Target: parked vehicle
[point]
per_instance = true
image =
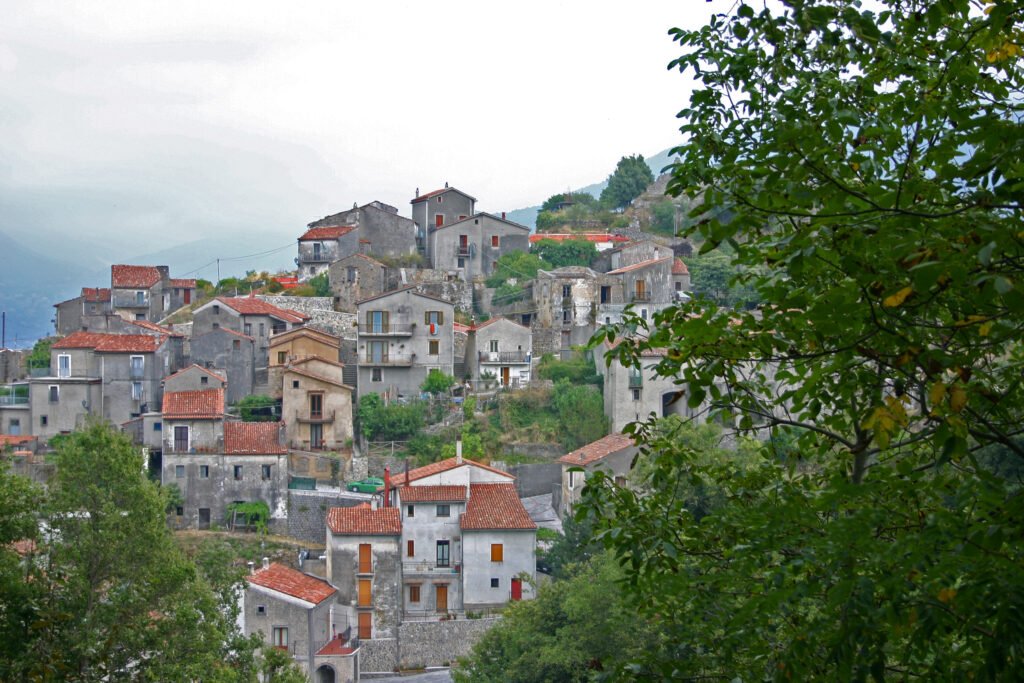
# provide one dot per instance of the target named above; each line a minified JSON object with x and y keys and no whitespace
{"x":368,"y":485}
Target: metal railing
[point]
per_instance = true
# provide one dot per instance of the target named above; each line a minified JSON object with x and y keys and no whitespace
{"x":641,"y":296}
{"x":389,"y":359}
{"x":504,"y":356}
{"x":317,"y":418}
{"x":452,"y":569}
{"x":390,"y":329}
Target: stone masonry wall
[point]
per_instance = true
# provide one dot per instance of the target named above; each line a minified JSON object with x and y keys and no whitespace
{"x":378,"y":655}
{"x":438,"y":643}
{"x":307,"y":512}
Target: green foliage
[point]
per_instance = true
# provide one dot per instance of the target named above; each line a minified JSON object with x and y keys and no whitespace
{"x":275,"y":287}
{"x":437,"y":382}
{"x":631,"y":177}
{"x":576,"y":369}
{"x":567,"y":253}
{"x":111,"y":596}
{"x":714,"y":276}
{"x":580,"y":411}
{"x":321,"y":285}
{"x":663,"y":219}
{"x":863,"y":164}
{"x":508,"y":293}
{"x":255,"y":513}
{"x":258,"y":408}
{"x":393,"y":422}
{"x":517,"y":265}
{"x":39,"y":357}
{"x":574,"y":546}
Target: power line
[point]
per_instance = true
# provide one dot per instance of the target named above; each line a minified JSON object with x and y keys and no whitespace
{"x":290,"y":245}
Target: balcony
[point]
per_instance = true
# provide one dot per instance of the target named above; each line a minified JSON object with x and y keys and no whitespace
{"x":641,"y":297}
{"x":136,"y":373}
{"x":390,"y":360}
{"x":636,"y":381}
{"x":430,"y":569}
{"x":381,"y":330}
{"x":130,"y":300}
{"x":316,"y":418}
{"x":504,"y":357}
{"x":462,"y":251}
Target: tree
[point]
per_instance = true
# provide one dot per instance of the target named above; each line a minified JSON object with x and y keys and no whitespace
{"x":566,"y":253}
{"x":39,"y":357}
{"x":580,"y":411}
{"x":393,"y":422}
{"x":321,"y":285}
{"x":258,"y":408}
{"x":437,"y":382}
{"x":868,"y":161}
{"x":515,"y":265}
{"x":663,"y":219}
{"x":631,"y":177}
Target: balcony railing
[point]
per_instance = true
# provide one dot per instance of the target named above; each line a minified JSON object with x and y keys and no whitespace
{"x":136,"y":373}
{"x":13,"y":400}
{"x":504,"y":356}
{"x":316,"y":418}
{"x":389,"y":360}
{"x":636,"y":381}
{"x":641,"y":296}
{"x":462,"y":250}
{"x":130,"y":301}
{"x":381,"y":330}
{"x":430,"y":568}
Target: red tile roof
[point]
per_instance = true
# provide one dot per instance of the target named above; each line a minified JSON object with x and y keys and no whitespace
{"x":638,"y":266}
{"x":111,"y":343}
{"x":153,"y":327}
{"x":362,"y":520}
{"x":134,"y":277}
{"x":250,"y":305}
{"x":291,"y":582}
{"x":679,"y":268}
{"x":330,"y":233}
{"x":437,"y":468}
{"x":186,"y":283}
{"x":258,"y":438}
{"x":11,"y":440}
{"x":432,"y":494}
{"x":495,"y":506}
{"x":597,"y":450}
{"x":95,"y":294}
{"x":194,"y":405}
{"x":335,"y":646}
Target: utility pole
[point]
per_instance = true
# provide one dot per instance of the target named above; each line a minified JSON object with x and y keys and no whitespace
{"x":218,"y":274}
{"x":3,"y":330}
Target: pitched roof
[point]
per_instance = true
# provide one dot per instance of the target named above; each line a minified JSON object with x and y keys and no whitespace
{"x":598,"y":237}
{"x":260,"y":438}
{"x":335,"y":646}
{"x":320,"y":335}
{"x":364,"y":257}
{"x":329,"y":233}
{"x":195,"y":405}
{"x":96,"y":294}
{"x":213,"y":373}
{"x":111,"y":343}
{"x":362,"y":520}
{"x":597,"y":450}
{"x":495,"y":319}
{"x":138,"y":277}
{"x":153,"y":327}
{"x":495,"y":506}
{"x":319,"y":378}
{"x":438,"y":467}
{"x":432,"y":494}
{"x":291,"y":582}
{"x":638,"y":266}
{"x":480,"y":214}
{"x":183,"y":282}
{"x":431,"y":195}
{"x":679,"y":268}
{"x":411,"y":289}
{"x":250,"y":305}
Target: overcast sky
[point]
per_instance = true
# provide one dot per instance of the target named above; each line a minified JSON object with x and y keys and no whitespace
{"x":141,"y":121}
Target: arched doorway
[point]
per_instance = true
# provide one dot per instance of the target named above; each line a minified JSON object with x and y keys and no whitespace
{"x":325,"y":674}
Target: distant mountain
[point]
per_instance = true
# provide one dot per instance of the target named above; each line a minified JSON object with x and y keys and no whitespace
{"x":198,"y":259}
{"x":528,"y":216}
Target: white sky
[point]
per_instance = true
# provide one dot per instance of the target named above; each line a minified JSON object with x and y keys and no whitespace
{"x":168,"y":120}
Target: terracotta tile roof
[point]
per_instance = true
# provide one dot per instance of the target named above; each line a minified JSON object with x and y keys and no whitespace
{"x":250,"y":305}
{"x":134,"y":277}
{"x":431,"y":494}
{"x":330,"y":233}
{"x":291,"y":582}
{"x":335,"y":646}
{"x":111,"y":343}
{"x":495,"y":506}
{"x":96,"y":294}
{"x":216,"y":374}
{"x":679,"y":268}
{"x":437,"y":468}
{"x":194,"y":405}
{"x":459,"y":327}
{"x":597,"y":450}
{"x":431,"y":195}
{"x":11,"y":440}
{"x":153,"y":327}
{"x":362,"y":520}
{"x":638,"y":266}
{"x":318,"y":335}
{"x":259,"y":438}
{"x":186,"y":283}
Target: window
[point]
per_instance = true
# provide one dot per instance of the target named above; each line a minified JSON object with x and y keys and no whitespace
{"x":350,"y":274}
{"x":280,"y":637}
{"x":377,"y":322}
{"x":158,"y":426}
{"x":606,"y":294}
{"x":316,"y":250}
{"x":433,"y":347}
{"x":136,"y":391}
{"x":140,"y":298}
{"x":643,"y":313}
{"x":497,"y":552}
{"x":566,"y":291}
{"x":679,"y":286}
{"x":236,"y":345}
{"x":295,"y":384}
{"x":179,"y":471}
{"x":179,"y":511}
{"x":572,"y":479}
{"x":494,"y":346}
{"x":494,"y":583}
{"x":140,"y":316}
{"x":265,"y":471}
{"x":247,"y":328}
{"x":14,"y":427}
{"x":43,"y":420}
{"x":443,"y":556}
{"x":378,"y":352}
{"x":238,"y":472}
{"x":365,"y":593}
{"x":566,"y":315}
{"x":365,"y":558}
{"x":63,"y":365}
{"x":376,"y":375}
{"x":410,"y":511}
{"x":620,"y":481}
{"x":204,"y":471}
{"x":316,"y":406}
{"x":216,"y":309}
{"x":216,"y":326}
{"x":462,"y":263}
{"x":444,"y":511}
{"x":434,"y":317}
{"x":365,"y":625}
{"x":261,"y":609}
{"x":410,"y":548}
{"x":495,"y":241}
{"x":636,"y":394}
{"x":54,"y":393}
{"x":414,"y":592}
{"x":263,"y":330}
{"x":438,"y":220}
{"x":204,"y":380}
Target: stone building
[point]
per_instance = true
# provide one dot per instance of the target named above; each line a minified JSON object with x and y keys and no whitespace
{"x":470,"y":246}
{"x":316,"y":405}
{"x":402,"y":336}
{"x":355,"y":277}
{"x":632,"y":395}
{"x":436,"y":209}
{"x":231,"y":354}
{"x":87,"y":312}
{"x":319,"y":246}
{"x":195,"y":378}
{"x":612,"y":454}
{"x":500,"y":349}
{"x":295,"y":345}
{"x":140,"y":292}
{"x":381,"y":232}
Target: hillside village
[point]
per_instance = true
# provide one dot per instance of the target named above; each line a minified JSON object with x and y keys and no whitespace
{"x":255,"y":408}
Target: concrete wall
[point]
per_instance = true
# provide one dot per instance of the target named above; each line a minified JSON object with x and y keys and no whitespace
{"x":480,"y":256}
{"x":385,"y":232}
{"x":310,"y":263}
{"x":386,"y":581}
{"x":366,"y":278}
{"x":115,"y":368}
{"x":193,"y":379}
{"x":231,"y":354}
{"x":12,"y":365}
{"x":519,"y":556}
{"x":439,"y":643}
{"x":535,"y":479}
{"x":307,"y":625}
{"x":624,"y":404}
{"x":77,"y":398}
{"x":307,"y":512}
{"x":336,"y":426}
{"x":450,"y":205}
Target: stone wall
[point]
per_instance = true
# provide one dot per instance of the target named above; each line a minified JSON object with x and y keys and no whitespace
{"x":378,"y":655}
{"x":307,"y":512}
{"x":438,"y":643}
{"x":536,"y":479}
{"x":321,"y":311}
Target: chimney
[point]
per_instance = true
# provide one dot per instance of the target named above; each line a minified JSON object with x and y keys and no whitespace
{"x":417,"y":192}
{"x":387,"y":485}
{"x":458,"y":451}
{"x":252,"y":567}
{"x":446,"y":184}
{"x":502,"y":215}
{"x":266,"y":563}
